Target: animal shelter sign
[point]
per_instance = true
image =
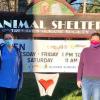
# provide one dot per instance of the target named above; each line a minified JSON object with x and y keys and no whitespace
{"x":51,"y":24}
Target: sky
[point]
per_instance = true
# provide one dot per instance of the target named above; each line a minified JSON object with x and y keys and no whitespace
{"x":77,"y":6}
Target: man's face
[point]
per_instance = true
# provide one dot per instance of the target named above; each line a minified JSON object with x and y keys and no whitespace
{"x":95,"y":38}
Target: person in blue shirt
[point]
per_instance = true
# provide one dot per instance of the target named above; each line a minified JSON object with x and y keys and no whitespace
{"x":11,"y":74}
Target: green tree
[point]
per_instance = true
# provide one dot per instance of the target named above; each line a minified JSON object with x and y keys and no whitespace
{"x":92,"y":7}
{"x":70,"y":1}
{"x":95,"y":8}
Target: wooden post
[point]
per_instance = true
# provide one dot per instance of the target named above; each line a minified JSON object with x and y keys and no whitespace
{"x":84,"y":6}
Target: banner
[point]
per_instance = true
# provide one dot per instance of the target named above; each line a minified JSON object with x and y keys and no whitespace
{"x":51,"y":55}
{"x":76,"y":24}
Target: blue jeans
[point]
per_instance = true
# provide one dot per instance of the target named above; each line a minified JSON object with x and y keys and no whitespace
{"x":90,"y":89}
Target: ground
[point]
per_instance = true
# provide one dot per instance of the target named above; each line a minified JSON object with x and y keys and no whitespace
{"x":66,"y":89}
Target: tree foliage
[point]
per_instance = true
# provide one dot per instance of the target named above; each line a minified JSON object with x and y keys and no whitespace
{"x":70,"y":1}
{"x":93,"y":6}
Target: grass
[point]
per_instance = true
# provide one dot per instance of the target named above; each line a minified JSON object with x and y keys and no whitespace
{"x":66,"y":89}
{"x":73,"y":96}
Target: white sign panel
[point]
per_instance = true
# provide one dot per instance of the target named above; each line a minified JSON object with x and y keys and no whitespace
{"x":51,"y":55}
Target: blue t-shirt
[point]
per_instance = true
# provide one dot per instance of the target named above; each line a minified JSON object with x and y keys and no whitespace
{"x":9,"y":68}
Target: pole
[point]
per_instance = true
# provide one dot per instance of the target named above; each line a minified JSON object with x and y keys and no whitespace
{"x":84,"y":6}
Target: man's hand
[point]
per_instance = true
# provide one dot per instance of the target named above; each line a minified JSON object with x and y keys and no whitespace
{"x":79,"y":84}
